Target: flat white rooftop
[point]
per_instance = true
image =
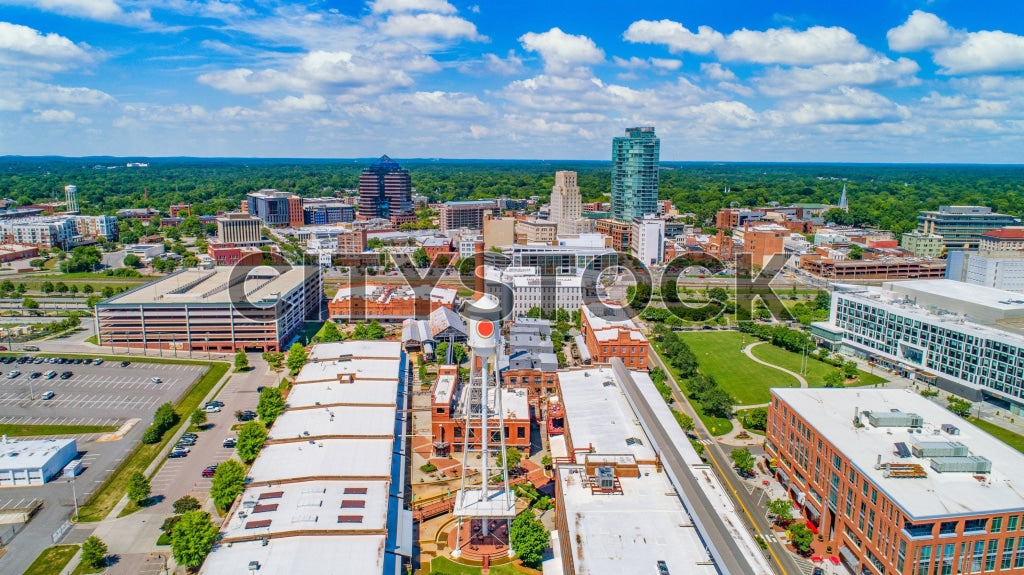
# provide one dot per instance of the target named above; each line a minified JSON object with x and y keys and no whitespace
{"x":381,"y":392}
{"x":357,"y":350}
{"x":311,"y":506}
{"x":598,"y":413}
{"x":830,"y":412}
{"x":333,"y":421}
{"x":1007,"y":302}
{"x":668,"y":421}
{"x":30,"y":453}
{"x":323,"y":458}
{"x":630,"y":533}
{"x":218,"y":285}
{"x":346,"y":555}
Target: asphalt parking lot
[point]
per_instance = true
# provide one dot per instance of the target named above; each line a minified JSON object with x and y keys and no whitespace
{"x":103,"y":391}
{"x":105,"y":394}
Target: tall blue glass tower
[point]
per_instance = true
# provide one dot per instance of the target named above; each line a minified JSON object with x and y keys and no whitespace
{"x":635,"y":174}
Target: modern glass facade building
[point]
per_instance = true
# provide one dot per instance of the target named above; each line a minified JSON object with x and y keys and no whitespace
{"x":961,"y":227}
{"x":385,"y":191}
{"x":635,"y":174}
{"x":963,"y":338}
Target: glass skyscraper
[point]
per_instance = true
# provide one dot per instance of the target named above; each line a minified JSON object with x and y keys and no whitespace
{"x":635,"y":174}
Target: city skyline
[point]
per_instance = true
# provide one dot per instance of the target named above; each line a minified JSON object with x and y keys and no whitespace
{"x":931,"y":82}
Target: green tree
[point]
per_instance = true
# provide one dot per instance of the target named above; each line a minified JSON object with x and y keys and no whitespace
{"x":801,"y":537}
{"x":535,"y":313}
{"x":37,"y":263}
{"x":529,"y":538}
{"x":241,"y":360}
{"x":250,"y":440}
{"x":756,"y":418}
{"x":29,"y":303}
{"x":274,"y":359}
{"x":94,"y":552}
{"x":782,"y":509}
{"x":198,"y":418}
{"x":186,"y":503}
{"x":132,"y":261}
{"x":271,"y":404}
{"x":374,"y":243}
{"x":822,"y":300}
{"x":192,"y":538}
{"x":21,"y":288}
{"x":856,"y":252}
{"x":420,"y":258}
{"x":165,"y":417}
{"x":743,"y":460}
{"x":850,"y":369}
{"x":719,"y":294}
{"x":330,"y":333}
{"x":834,"y":378}
{"x":228,"y":483}
{"x":511,"y":458}
{"x":296,"y":358}
{"x":958,"y":405}
{"x":716,"y":402}
{"x":138,"y":488}
{"x":46,"y":287}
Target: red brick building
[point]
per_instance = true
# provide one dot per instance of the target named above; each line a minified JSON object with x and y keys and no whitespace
{"x":614,"y":335}
{"x":387,"y":303}
{"x":448,"y":424}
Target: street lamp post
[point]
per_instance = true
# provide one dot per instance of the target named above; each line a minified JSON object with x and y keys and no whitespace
{"x":74,"y":495}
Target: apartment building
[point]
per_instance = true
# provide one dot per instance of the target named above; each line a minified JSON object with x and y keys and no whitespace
{"x":466,"y":214}
{"x":895,"y":483}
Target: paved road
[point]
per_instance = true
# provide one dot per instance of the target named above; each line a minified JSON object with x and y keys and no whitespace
{"x":723,"y":547}
{"x":715,"y":453}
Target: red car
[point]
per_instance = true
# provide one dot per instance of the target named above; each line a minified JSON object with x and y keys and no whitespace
{"x":3,"y":348}
{"x":209,"y":471}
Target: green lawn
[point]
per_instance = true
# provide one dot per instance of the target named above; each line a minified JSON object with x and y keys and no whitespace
{"x":1006,"y":436}
{"x":103,"y":500}
{"x":719,"y":355}
{"x":446,"y":566}
{"x":52,"y":560}
{"x":716,"y":426}
{"x":14,"y":430}
{"x":816,"y":370}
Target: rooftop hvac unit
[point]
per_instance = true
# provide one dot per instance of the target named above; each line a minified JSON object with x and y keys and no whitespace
{"x":938,"y":449}
{"x":970,"y":464}
{"x":950,"y":429}
{"x":894,"y":419}
{"x":606,"y":477}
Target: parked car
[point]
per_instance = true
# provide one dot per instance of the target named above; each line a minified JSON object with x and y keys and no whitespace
{"x":3,"y":348}
{"x":35,"y":375}
{"x":87,"y":361}
{"x":47,"y":395}
{"x":175,"y":454}
{"x":39,"y":360}
{"x":66,"y":375}
{"x":216,"y":402}
{"x":97,"y":361}
{"x":125,"y":363}
{"x":156,"y":380}
{"x":184,"y":448}
{"x":230,"y":442}
{"x":14,"y":374}
{"x":185,"y":442}
{"x":246,"y":415}
{"x":50,"y":374}
{"x":212,"y":409}
{"x":210,"y":471}
{"x":31,"y":348}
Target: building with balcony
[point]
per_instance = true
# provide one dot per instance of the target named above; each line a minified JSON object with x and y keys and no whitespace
{"x":897,"y":484}
{"x":634,"y":188}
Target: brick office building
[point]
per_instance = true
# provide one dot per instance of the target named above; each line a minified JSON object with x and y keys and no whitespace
{"x":896,"y":483}
{"x":448,"y":402}
{"x":612,"y":334}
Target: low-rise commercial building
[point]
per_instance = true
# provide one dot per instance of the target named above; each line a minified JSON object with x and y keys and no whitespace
{"x":34,"y":461}
{"x":14,"y":252}
{"x":922,"y":245}
{"x":897,"y":484}
{"x":449,"y":400}
{"x":328,"y":488}
{"x":219,"y":309}
{"x":387,"y":303}
{"x":613,"y":334}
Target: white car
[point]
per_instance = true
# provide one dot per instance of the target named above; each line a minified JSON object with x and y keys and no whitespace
{"x":180,"y":449}
{"x":48,"y":395}
{"x":97,"y":361}
{"x":212,"y":409}
{"x":156,"y":380}
{"x":14,"y":374}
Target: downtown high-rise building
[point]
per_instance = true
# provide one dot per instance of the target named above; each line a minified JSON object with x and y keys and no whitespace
{"x":566,"y":203}
{"x":635,"y":174}
{"x":385,"y":191}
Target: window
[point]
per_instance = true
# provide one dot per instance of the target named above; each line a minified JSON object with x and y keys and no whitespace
{"x":871,"y":524}
{"x":864,"y":488}
{"x":924,"y":559}
{"x":520,"y":433}
{"x":874,"y":496}
{"x":849,"y":503}
{"x":947,"y":528}
{"x":901,"y":556}
{"x":837,"y":462}
{"x":1018,"y":561}
{"x":918,"y":530}
{"x":457,"y":432}
{"x":990,"y":556}
{"x":974,"y":526}
{"x":1011,"y":524}
{"x":440,"y":410}
{"x":1007,"y":554}
{"x":997,"y":524}
{"x":979,"y":551}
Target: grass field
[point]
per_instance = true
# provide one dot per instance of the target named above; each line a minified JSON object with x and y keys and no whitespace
{"x":719,"y":355}
{"x":104,"y":499}
{"x":1006,"y":436}
{"x":716,"y":426}
{"x":52,"y":560}
{"x":14,"y":430}
{"x":446,"y":566}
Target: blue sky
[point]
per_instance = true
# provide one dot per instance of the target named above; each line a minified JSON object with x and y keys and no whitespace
{"x":812,"y":81}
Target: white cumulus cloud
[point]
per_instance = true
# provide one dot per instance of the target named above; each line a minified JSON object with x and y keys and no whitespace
{"x":438,"y":6}
{"x":430,"y":25}
{"x":102,"y":10}
{"x":816,"y":45}
{"x":921,"y":30}
{"x":22,"y":46}
{"x":985,"y":51}
{"x":845,"y":105}
{"x":674,"y":35}
{"x":562,"y":52}
{"x":55,"y":116}
{"x":878,"y":70}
